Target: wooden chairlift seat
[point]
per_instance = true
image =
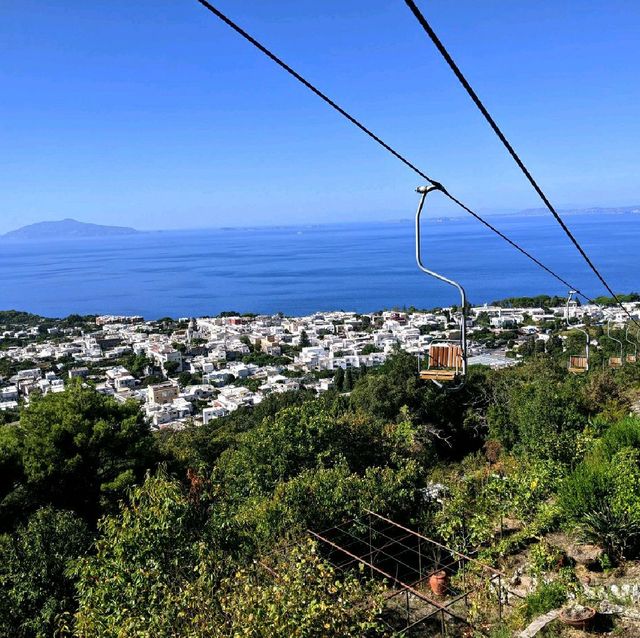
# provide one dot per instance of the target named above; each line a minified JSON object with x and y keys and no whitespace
{"x":577,"y":364}
{"x":433,"y":374}
{"x":631,"y":358}
{"x":445,"y":362}
{"x":615,"y":362}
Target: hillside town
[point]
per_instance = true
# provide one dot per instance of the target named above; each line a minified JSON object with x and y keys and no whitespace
{"x":192,"y":371}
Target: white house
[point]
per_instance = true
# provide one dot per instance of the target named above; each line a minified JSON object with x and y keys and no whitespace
{"x":214,"y":411}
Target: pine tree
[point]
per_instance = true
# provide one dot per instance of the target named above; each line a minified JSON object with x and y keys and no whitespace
{"x":348,"y":381}
{"x":338,"y":380}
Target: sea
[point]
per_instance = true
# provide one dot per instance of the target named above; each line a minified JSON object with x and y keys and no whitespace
{"x":299,"y":270}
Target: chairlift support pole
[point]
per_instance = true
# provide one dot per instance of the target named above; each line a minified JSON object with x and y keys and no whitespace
{"x":424,"y":191}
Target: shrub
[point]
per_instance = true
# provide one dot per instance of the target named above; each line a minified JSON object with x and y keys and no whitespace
{"x":625,"y":433}
{"x":602,"y":498}
{"x":501,"y":631}
{"x":544,"y":558}
{"x":547,"y":596}
{"x":307,"y":599}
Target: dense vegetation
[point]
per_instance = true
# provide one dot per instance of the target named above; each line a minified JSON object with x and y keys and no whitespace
{"x":112,"y":530}
{"x":539,"y":301}
{"x":624,"y":298}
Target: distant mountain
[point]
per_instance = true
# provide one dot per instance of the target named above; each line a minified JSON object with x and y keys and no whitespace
{"x":66,"y":229}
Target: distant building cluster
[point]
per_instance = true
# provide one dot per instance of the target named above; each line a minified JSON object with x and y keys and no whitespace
{"x":197,"y":370}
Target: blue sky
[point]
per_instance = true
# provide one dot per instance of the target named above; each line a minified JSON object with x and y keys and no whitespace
{"x":154,"y":114}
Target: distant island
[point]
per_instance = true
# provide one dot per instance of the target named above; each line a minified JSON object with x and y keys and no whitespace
{"x":617,"y":210}
{"x":67,"y":229}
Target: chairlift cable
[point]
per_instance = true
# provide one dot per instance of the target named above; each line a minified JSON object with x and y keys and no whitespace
{"x":496,"y":129}
{"x":272,"y":56}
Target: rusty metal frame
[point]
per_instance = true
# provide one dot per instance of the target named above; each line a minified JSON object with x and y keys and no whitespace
{"x":405,"y":560}
{"x":343,"y":541}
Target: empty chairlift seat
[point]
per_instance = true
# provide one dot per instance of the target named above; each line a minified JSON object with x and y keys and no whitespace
{"x":615,"y":362}
{"x":444,"y":362}
{"x":578,"y":364}
{"x":633,"y":356}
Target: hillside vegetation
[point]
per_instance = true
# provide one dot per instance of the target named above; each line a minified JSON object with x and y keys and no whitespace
{"x":110,"y":530}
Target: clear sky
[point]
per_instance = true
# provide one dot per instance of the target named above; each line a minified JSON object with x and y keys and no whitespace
{"x":154,"y":114}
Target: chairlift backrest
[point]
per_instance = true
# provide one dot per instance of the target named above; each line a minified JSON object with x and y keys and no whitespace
{"x":615,"y":362}
{"x":578,"y":362}
{"x":445,"y":356}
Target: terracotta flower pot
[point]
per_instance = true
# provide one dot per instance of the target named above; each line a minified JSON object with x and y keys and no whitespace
{"x":439,"y":582}
{"x":579,"y":617}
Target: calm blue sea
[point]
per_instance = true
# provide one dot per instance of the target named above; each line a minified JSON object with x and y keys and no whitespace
{"x":299,"y":270}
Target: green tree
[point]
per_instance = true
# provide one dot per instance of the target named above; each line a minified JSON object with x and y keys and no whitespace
{"x":148,"y":557}
{"x":527,"y":348}
{"x":137,"y":364}
{"x":155,"y":574}
{"x":317,"y":497}
{"x":483,"y":319}
{"x":395,"y":384}
{"x":171,"y":367}
{"x":9,"y":416}
{"x":187,"y":378}
{"x":34,"y":580}
{"x":306,"y":598}
{"x":348,"y":380}
{"x":540,"y":414}
{"x":306,"y":437}
{"x":13,"y":497}
{"x":304,"y":339}
{"x":80,"y":450}
{"x":554,"y":345}
{"x":338,"y":380}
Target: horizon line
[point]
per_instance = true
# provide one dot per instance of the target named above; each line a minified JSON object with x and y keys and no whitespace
{"x":528,"y":212}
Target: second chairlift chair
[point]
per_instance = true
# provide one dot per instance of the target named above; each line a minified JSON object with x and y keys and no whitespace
{"x":446,"y":359}
{"x":615,"y":362}
{"x":631,"y":358}
{"x":577,"y":363}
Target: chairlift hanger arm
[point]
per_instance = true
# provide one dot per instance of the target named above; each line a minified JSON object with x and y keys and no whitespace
{"x":633,"y":343}
{"x":569,"y":297}
{"x":424,"y":191}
